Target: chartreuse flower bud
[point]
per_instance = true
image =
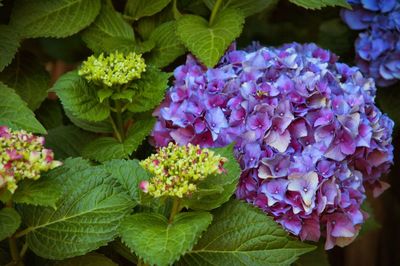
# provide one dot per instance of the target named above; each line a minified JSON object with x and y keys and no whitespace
{"x":177,"y":170}
{"x":22,"y":155}
{"x":113,"y":69}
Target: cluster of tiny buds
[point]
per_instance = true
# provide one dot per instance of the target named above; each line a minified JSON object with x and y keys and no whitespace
{"x":22,"y":156}
{"x":113,"y":69}
{"x":177,"y":170}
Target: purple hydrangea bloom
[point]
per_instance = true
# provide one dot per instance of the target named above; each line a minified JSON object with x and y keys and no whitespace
{"x":307,"y":133}
{"x":378,"y":45}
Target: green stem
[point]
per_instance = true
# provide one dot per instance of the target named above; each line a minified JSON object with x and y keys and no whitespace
{"x":23,"y":250}
{"x":114,"y":126}
{"x":215,"y":11}
{"x":12,"y":242}
{"x":120,"y":123}
{"x":23,"y":232}
{"x":176,"y":207}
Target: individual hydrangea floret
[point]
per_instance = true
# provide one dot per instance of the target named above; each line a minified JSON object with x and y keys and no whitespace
{"x":22,"y":156}
{"x":177,"y":170}
{"x":308,"y":135}
{"x":378,"y":44}
{"x":114,"y":69}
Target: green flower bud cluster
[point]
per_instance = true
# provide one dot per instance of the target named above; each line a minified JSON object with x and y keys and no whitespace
{"x":113,"y":69}
{"x":22,"y":155}
{"x":177,"y":169}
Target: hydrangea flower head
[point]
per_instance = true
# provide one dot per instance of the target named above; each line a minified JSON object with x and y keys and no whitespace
{"x":307,"y":133}
{"x":378,"y":45}
{"x":177,"y":170}
{"x":113,"y":69}
{"x":22,"y":157}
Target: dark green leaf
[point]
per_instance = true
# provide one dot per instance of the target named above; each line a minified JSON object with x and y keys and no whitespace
{"x":108,"y":24}
{"x":318,"y":257}
{"x":149,"y":90}
{"x":67,"y":141}
{"x":28,"y":78}
{"x":9,"y":222}
{"x":142,"y":8}
{"x":318,"y":4}
{"x":248,"y":7}
{"x":125,"y":45}
{"x":243,"y":235}
{"x":80,"y":97}
{"x":159,"y":242}
{"x":14,"y":112}
{"x":209,"y":42}
{"x":53,"y":18}
{"x":50,"y":114}
{"x":87,"y":216}
{"x":8,"y":46}
{"x":168,"y":46}
{"x":91,"y":259}
{"x":97,"y":127}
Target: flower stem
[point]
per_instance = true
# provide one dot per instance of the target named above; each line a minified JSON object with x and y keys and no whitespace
{"x":176,"y":207}
{"x":214,"y":11}
{"x":114,"y":126}
{"x":120,"y":123}
{"x":12,"y":242}
{"x":175,"y":10}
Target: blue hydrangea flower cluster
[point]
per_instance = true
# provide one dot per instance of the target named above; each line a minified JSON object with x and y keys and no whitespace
{"x":378,"y":45}
{"x":308,"y":135}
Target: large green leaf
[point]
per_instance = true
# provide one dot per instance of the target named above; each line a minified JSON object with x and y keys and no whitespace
{"x":97,"y":127}
{"x":318,"y":257}
{"x":243,"y":235}
{"x":50,"y":114}
{"x":125,"y":45}
{"x":217,"y":189}
{"x":49,"y":188}
{"x":9,"y":222}
{"x":149,"y":90}
{"x":8,"y":46}
{"x":80,"y":97}
{"x":209,"y":42}
{"x":91,"y":259}
{"x":14,"y":112}
{"x":109,"y":24}
{"x":160,"y":242}
{"x":108,"y":148}
{"x":87,"y":216}
{"x":248,"y":7}
{"x":143,"y":8}
{"x":28,"y":78}
{"x":318,"y":4}
{"x":67,"y":141}
{"x":168,"y":46}
{"x":53,"y":18}
{"x":129,"y":174}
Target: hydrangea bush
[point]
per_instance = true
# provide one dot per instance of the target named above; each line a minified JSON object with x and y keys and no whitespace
{"x":308,"y":135}
{"x":378,"y":45}
{"x":114,"y":151}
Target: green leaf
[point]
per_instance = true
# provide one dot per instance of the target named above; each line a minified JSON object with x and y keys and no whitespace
{"x":318,"y":257}
{"x":108,"y":24}
{"x":159,"y":242}
{"x":8,"y":46}
{"x":87,"y":216}
{"x":126,"y":94}
{"x":14,"y":112}
{"x":108,"y":148}
{"x":336,"y":36}
{"x":28,"y":78}
{"x":67,"y":141}
{"x":209,"y":42}
{"x":97,"y":127}
{"x":168,"y":46}
{"x":49,"y":188}
{"x":318,"y":4}
{"x":80,"y":97}
{"x":248,"y":7}
{"x":104,"y":94}
{"x":243,"y":235}
{"x":9,"y":222}
{"x":125,"y":45}
{"x":50,"y":114}
{"x":91,"y":259}
{"x":53,"y":18}
{"x":142,"y":8}
{"x":149,"y":90}
{"x":217,"y":189}
{"x":129,"y":174}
